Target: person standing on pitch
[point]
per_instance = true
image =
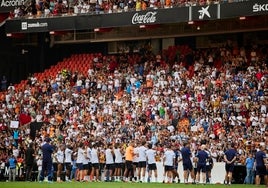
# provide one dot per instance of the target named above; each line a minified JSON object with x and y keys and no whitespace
{"x":169,"y":163}
{"x":142,"y":162}
{"x":250,"y":171}
{"x":261,"y":170}
{"x":202,"y":157}
{"x":68,"y":161}
{"x":109,"y":156}
{"x":186,"y":162}
{"x":229,"y":158}
{"x":12,"y":162}
{"x":29,"y":161}
{"x":60,"y":161}
{"x":118,"y":150}
{"x":129,"y":154}
{"x":47,"y":150}
{"x":150,"y":155}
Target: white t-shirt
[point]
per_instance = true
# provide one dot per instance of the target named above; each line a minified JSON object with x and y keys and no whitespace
{"x":80,"y":156}
{"x":150,"y":154}
{"x":68,"y":155}
{"x":118,"y":156}
{"x":60,"y":156}
{"x":39,"y":164}
{"x":109,"y":156}
{"x":136,"y":158}
{"x":142,"y":153}
{"x":169,"y":156}
{"x":94,"y":156}
{"x":89,"y":154}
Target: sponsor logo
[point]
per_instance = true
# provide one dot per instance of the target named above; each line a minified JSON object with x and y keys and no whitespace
{"x":204,"y":12}
{"x":11,"y":3}
{"x":260,"y":7}
{"x":149,"y":17}
{"x":25,"y":25}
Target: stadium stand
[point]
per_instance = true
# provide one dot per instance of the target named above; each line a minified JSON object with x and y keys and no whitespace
{"x":211,"y":96}
{"x":220,"y":98}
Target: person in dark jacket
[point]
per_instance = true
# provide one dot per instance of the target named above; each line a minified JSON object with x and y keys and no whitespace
{"x":47,"y":150}
{"x":29,"y":161}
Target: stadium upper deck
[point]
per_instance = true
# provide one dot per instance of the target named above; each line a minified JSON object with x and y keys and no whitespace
{"x":58,"y":7}
{"x":147,"y":16}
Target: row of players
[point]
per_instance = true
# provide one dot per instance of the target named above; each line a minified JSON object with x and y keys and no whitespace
{"x":131,"y":162}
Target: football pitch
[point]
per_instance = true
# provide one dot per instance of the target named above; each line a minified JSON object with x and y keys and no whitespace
{"x":111,"y":185}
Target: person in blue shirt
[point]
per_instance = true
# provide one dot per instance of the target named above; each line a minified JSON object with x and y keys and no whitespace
{"x":261,"y":171}
{"x":249,"y":166}
{"x":47,"y":150}
{"x":202,"y":157}
{"x":229,"y":158}
{"x":186,"y":162}
{"x":16,"y":136}
{"x":12,"y":162}
{"x":74,"y":168}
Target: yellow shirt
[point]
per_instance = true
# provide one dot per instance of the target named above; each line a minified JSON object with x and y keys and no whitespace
{"x":138,"y":5}
{"x":129,"y":153}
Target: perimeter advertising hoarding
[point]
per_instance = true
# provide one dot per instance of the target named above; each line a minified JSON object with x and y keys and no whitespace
{"x":153,"y":16}
{"x":208,"y":12}
{"x":82,"y":22}
{"x":150,"y":16}
{"x":248,"y":8}
{"x":40,"y":25}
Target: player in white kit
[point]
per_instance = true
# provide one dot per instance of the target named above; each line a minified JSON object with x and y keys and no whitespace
{"x":142,"y":162}
{"x":150,"y":155}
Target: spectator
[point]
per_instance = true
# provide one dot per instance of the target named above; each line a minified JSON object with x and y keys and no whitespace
{"x":250,"y":171}
{"x":180,"y":104}
{"x":4,"y":84}
{"x":12,"y":162}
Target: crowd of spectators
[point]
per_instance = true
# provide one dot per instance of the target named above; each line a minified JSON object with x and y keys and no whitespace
{"x":213,"y":96}
{"x":46,"y":8}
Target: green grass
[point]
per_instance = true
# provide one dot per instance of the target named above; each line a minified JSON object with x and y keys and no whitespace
{"x":109,"y":185}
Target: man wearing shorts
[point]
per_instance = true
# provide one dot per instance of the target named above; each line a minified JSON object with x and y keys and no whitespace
{"x":94,"y":175}
{"x":229,"y":158}
{"x":186,"y":162}
{"x":261,"y":170}
{"x":142,"y":162}
{"x":129,"y":154}
{"x":202,"y":157}
{"x":169,"y":163}
{"x":68,"y":162}
{"x":150,"y":155}
{"x":118,"y":161}
{"x":109,"y":156}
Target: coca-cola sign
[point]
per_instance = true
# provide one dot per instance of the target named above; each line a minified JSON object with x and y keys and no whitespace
{"x":149,"y":17}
